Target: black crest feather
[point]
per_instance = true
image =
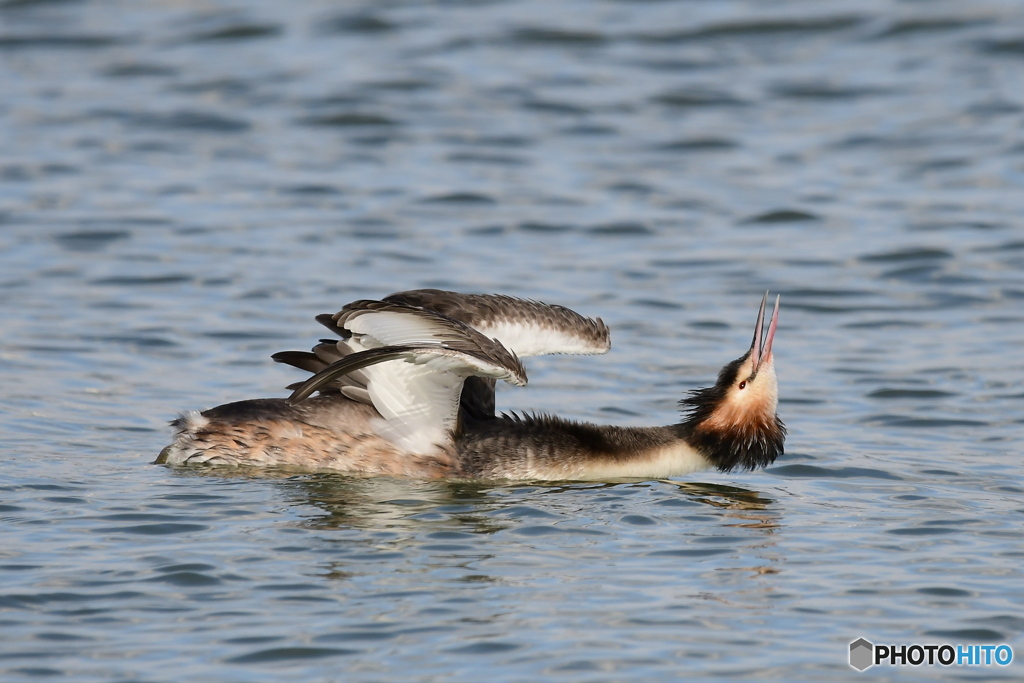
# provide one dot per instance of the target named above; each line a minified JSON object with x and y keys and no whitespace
{"x":745,"y":447}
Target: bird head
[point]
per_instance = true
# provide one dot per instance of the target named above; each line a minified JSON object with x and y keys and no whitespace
{"x":734,"y":423}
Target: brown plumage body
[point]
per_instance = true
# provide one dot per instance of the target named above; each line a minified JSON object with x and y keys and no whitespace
{"x":271,"y":432}
{"x":341,"y":429}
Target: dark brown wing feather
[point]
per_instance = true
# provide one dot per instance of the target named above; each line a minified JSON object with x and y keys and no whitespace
{"x":303,"y":360}
{"x":482,"y":311}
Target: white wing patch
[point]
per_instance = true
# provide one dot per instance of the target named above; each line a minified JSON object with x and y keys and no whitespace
{"x":532,"y":338}
{"x":419,"y":403}
{"x":419,"y":398}
{"x":394,"y":328}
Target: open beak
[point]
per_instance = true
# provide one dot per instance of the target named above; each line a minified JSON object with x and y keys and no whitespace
{"x":761,"y":348}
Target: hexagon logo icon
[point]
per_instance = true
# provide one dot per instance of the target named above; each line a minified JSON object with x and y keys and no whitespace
{"x":862,"y":654}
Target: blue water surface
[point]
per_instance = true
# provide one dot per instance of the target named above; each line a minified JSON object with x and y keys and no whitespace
{"x":183,"y":186}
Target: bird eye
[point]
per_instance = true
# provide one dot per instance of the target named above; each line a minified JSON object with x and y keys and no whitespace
{"x":743,"y":384}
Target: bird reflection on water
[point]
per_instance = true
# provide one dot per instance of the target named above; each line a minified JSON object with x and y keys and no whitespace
{"x":477,"y":507}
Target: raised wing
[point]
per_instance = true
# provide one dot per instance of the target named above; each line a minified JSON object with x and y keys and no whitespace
{"x":525,"y":327}
{"x":454,"y":347}
{"x":419,"y":398}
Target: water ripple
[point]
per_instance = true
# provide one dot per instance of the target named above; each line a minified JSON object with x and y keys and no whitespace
{"x":185,"y":185}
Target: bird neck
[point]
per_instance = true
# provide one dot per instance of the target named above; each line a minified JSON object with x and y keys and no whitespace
{"x":546,"y":447}
{"x":746,"y":446}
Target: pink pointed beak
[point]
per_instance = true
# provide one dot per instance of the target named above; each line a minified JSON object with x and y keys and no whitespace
{"x":761,"y":350}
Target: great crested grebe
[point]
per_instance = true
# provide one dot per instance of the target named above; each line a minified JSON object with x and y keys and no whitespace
{"x":408,"y":390}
